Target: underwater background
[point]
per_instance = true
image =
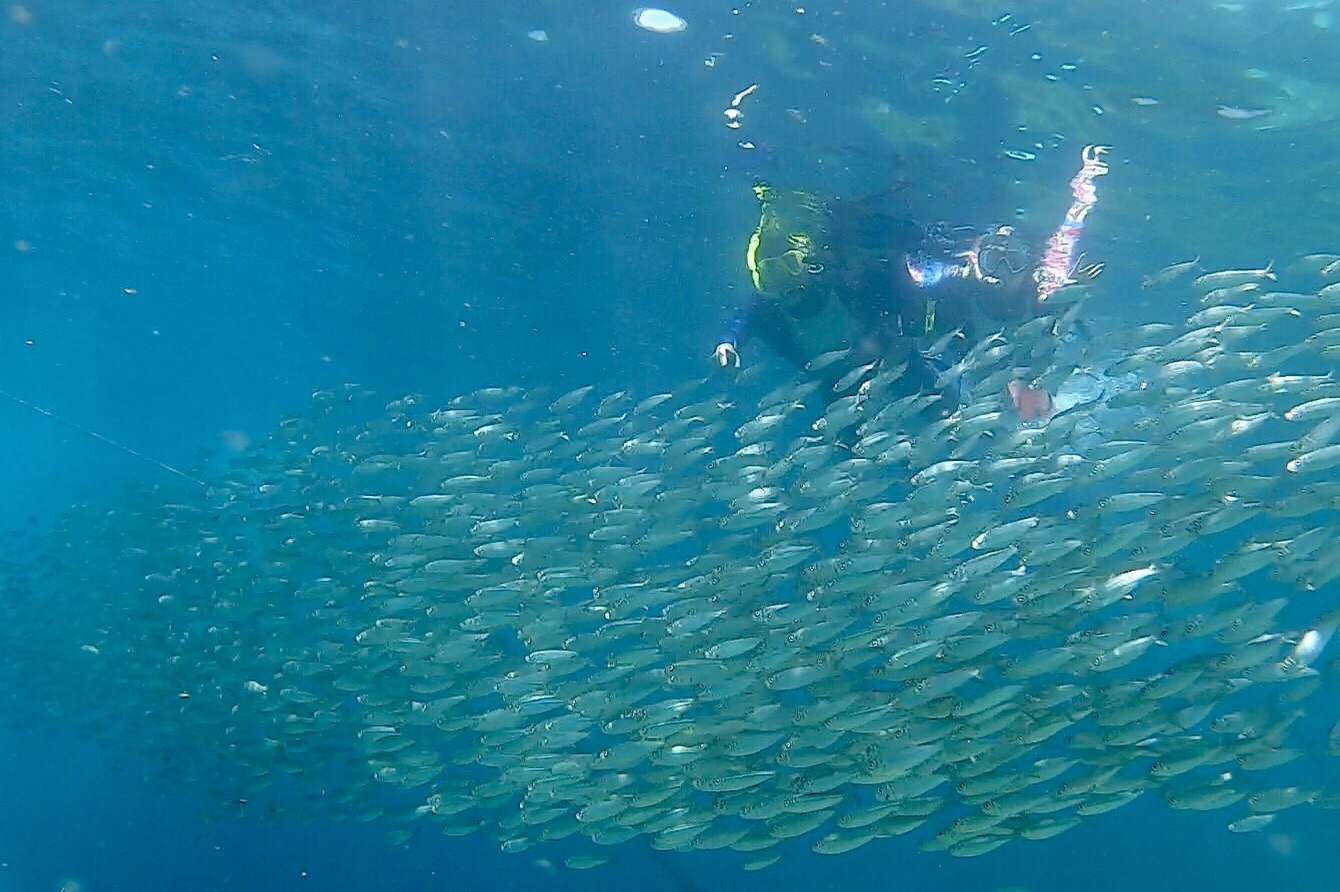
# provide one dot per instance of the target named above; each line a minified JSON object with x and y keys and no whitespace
{"x":213,"y":209}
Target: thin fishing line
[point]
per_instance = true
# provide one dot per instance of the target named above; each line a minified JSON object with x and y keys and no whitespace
{"x":99,"y":437}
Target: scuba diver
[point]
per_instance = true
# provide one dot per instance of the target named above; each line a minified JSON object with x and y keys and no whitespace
{"x":850,"y":274}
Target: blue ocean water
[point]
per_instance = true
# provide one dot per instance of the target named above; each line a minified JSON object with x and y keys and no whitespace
{"x":215,"y":208}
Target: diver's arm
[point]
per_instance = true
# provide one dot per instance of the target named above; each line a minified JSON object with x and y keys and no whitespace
{"x":727,"y":352}
{"x":1058,"y":264}
{"x":1057,"y":270}
{"x":765,"y":319}
{"x":926,"y":272}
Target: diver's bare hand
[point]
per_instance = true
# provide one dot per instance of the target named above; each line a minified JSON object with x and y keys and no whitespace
{"x":726,"y":356}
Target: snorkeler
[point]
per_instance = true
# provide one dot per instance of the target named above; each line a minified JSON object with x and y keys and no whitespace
{"x":829,"y":276}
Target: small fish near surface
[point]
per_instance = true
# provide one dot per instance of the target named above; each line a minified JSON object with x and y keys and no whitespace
{"x":1233,"y":113}
{"x":1170,"y":273}
{"x":1233,"y":278}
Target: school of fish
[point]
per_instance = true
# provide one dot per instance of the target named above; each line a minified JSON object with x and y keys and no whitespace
{"x":724,"y":620}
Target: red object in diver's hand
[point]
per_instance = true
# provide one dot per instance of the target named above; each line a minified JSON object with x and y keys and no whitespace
{"x":1029,"y":402}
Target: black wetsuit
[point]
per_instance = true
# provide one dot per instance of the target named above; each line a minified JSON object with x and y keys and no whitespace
{"x":899,"y":288}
